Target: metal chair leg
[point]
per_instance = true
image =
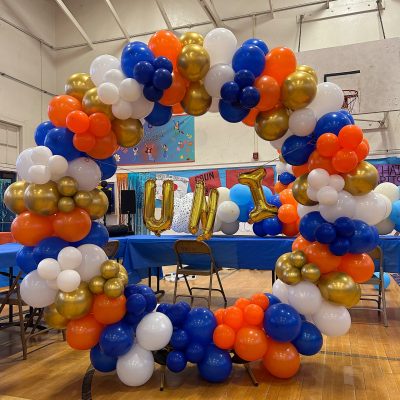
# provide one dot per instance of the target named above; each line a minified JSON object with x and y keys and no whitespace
{"x":189,"y":289}
{"x":162,"y":378}
{"x":175,"y":286}
{"x":251,"y":375}
{"x":222,"y":289}
{"x":22,"y":326}
{"x":385,"y":320}
{"x":209,"y":291}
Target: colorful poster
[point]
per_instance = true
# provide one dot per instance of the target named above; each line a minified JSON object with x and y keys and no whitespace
{"x":232,"y":177}
{"x":210,"y":178}
{"x":169,"y":143}
{"x":180,"y":185}
{"x":389,"y":173}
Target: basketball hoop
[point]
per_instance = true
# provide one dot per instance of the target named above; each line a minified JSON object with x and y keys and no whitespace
{"x":350,"y":99}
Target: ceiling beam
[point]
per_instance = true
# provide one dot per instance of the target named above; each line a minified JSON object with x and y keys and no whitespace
{"x":117,"y":19}
{"x":211,"y":13}
{"x":164,"y":14}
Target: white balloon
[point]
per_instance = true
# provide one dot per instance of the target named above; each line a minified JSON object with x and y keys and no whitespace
{"x":39,"y":174}
{"x":68,"y":280}
{"x":332,"y":319}
{"x":86,"y":172}
{"x":115,"y":76}
{"x":216,"y":77}
{"x":305,"y":297}
{"x":214,"y":108}
{"x":217,"y":225}
{"x":92,"y":258}
{"x":100,"y":65}
{"x":40,"y":155}
{"x":327,"y":195}
{"x":135,"y":367}
{"x":303,"y":210}
{"x":280,"y":290}
{"x":220,"y":44}
{"x":36,"y":292}
{"x":329,"y":98}
{"x":311,"y":193}
{"x":345,"y":207}
{"x":388,"y":205}
{"x":229,"y":228}
{"x":69,"y":258}
{"x":302,"y":122}
{"x":388,"y":189}
{"x":141,"y":108}
{"x":370,"y":208}
{"x":277,"y":144}
{"x":318,"y":178}
{"x":289,"y":168}
{"x":228,"y":211}
{"x":280,"y":167}
{"x":23,"y":163}
{"x":223,"y":194}
{"x":108,"y":93}
{"x":385,"y":227}
{"x":52,"y":284}
{"x":48,"y":269}
{"x":58,"y":166}
{"x":121,"y":109}
{"x":130,"y":90}
{"x":154,"y":331}
{"x":337,"y":182}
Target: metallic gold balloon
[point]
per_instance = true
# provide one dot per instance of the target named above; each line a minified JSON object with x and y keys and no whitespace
{"x":298,"y":259}
{"x":113,"y":288}
{"x":92,"y":104}
{"x":310,"y":272}
{"x":309,"y":70}
{"x":83,"y":199}
{"x":96,"y":284}
{"x":285,"y":257}
{"x":109,"y":269}
{"x":14,"y":197}
{"x":42,"y":199}
{"x":123,"y":275}
{"x":54,"y":319}
{"x":196,"y":101}
{"x":191,"y":38}
{"x":129,"y":132}
{"x":76,"y":304}
{"x":98,"y":206}
{"x":78,"y":84}
{"x":281,"y":267}
{"x":67,"y":186}
{"x":340,"y":288}
{"x":273,"y":124}
{"x":299,"y":190}
{"x":262,"y":209}
{"x":291,"y":276}
{"x":298,"y":90}
{"x":362,"y":179}
{"x":193,"y":62}
{"x":158,"y":225}
{"x":66,"y":204}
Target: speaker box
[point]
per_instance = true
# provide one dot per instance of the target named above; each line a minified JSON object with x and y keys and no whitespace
{"x":128,"y":202}
{"x":117,"y":230}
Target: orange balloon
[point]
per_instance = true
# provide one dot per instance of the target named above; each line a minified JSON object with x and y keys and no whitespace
{"x":177,"y":109}
{"x":83,"y":333}
{"x":242,"y":303}
{"x":345,"y":160}
{"x":286,"y":197}
{"x":250,"y":343}
{"x":233,"y":317}
{"x":260,"y":299}
{"x":105,"y":146}
{"x":99,"y":124}
{"x":287,"y":213}
{"x":29,"y":228}
{"x":176,"y":92}
{"x":278,"y":187}
{"x":253,"y":314}
{"x":107,"y":310}
{"x":219,"y":315}
{"x":165,"y":43}
{"x":59,"y":108}
{"x":362,"y":150}
{"x":279,"y":63}
{"x":251,"y":117}
{"x":224,"y":337}
{"x":72,"y":226}
{"x":319,"y":254}
{"x":269,"y":91}
{"x":281,"y":359}
{"x":328,"y":145}
{"x":300,"y":243}
{"x":317,"y":161}
{"x":359,"y":266}
{"x":291,"y":229}
{"x":299,"y":170}
{"x":77,"y":121}
{"x":84,"y":142}
{"x":350,"y":136}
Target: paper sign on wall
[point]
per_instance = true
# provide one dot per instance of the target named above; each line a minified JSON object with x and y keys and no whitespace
{"x":211,"y":180}
{"x":389,"y":173}
{"x":232,"y":177}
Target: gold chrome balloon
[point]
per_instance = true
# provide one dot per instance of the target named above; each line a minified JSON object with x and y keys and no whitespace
{"x":76,"y":304}
{"x":273,"y":124}
{"x":196,"y":101}
{"x":158,"y":225}
{"x":299,"y":190}
{"x":285,"y":257}
{"x":193,"y":62}
{"x":96,"y":284}
{"x":298,"y":90}
{"x":67,"y":186}
{"x":290,"y":276}
{"x":123,"y":275}
{"x":298,"y":259}
{"x":98,"y":206}
{"x":66,"y":204}
{"x":309,"y":70}
{"x":78,"y":84}
{"x":262,"y":209}
{"x":54,"y":319}
{"x":42,"y":198}
{"x":191,"y":38}
{"x":109,"y":269}
{"x":113,"y":288}
{"x":14,"y":197}
{"x":340,"y":288}
{"x":83,"y":199}
{"x":281,"y":267}
{"x":362,"y":179}
{"x":310,"y":272}
{"x":92,"y":104}
{"x":129,"y":132}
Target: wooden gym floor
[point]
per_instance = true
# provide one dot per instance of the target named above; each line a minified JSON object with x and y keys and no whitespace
{"x":363,"y":365}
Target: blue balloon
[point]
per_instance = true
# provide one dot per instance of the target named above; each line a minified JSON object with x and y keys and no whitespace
{"x":133,"y":53}
{"x":240,"y":194}
{"x":178,"y":313}
{"x":176,"y":361}
{"x":133,"y":320}
{"x":216,"y":366}
{"x":282,"y":322}
{"x":244,"y":78}
{"x":244,"y":212}
{"x":163,"y":62}
{"x":49,"y":248}
{"x":143,"y":72}
{"x":249,"y":57}
{"x":344,"y":227}
{"x":136,"y":304}
{"x":41,"y":132}
{"x":116,"y":339}
{"x":395,"y":213}
{"x":286,"y":178}
{"x":309,"y":224}
{"x":331,"y":122}
{"x":272,"y":299}
{"x":348,"y":115}
{"x":151,"y":93}
{"x":258,"y":229}
{"x":195,"y":352}
{"x":24,"y":259}
{"x":230,"y":92}
{"x":340,"y":246}
{"x":163,"y":308}
{"x":325,"y":233}
{"x":160,"y":115}
{"x":179,"y":339}
{"x":232,"y":112}
{"x":98,"y":235}
{"x":162,"y":79}
{"x":59,"y":141}
{"x":364,"y":238}
{"x":249,"y":97}
{"x":259,"y":43}
{"x":151,"y":301}
{"x":275,"y":200}
{"x":101,"y":361}
{"x":309,"y":341}
{"x":108,"y":167}
{"x":386,"y":280}
{"x":131,"y":289}
{"x":272,"y":226}
{"x":297,"y":149}
{"x":200,"y":324}
{"x":267,"y":193}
